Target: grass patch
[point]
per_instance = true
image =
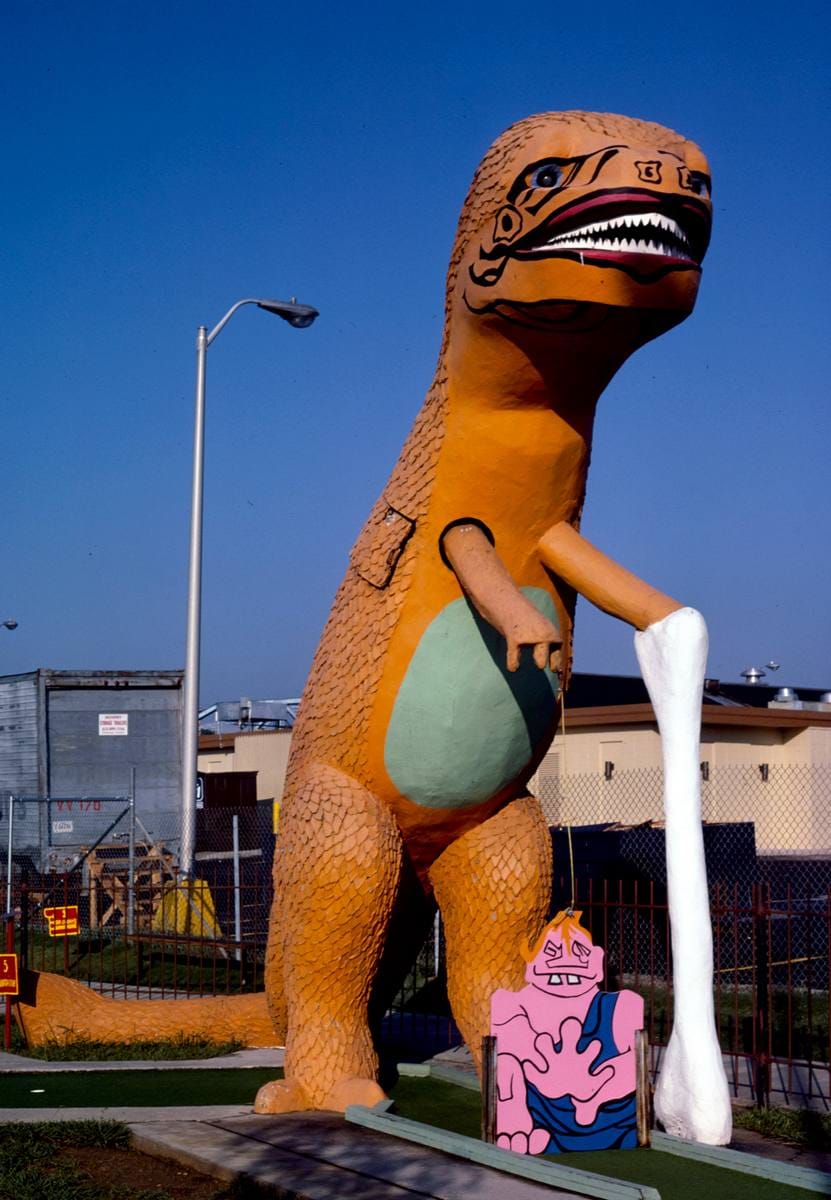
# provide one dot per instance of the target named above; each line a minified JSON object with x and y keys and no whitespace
{"x":83,"y":1050}
{"x":32,"y":1167}
{"x":89,"y":1160}
{"x":142,"y":1089}
{"x":800,"y":1127}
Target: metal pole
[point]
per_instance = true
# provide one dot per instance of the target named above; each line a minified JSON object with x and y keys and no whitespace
{"x":131,"y":857}
{"x":237,"y":910}
{"x":24,"y":919}
{"x":9,"y":859}
{"x":190,"y":716}
{"x":7,"y":1027}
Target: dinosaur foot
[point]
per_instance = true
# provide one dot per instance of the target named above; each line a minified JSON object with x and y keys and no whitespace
{"x":285,"y":1096}
{"x":281,"y":1096}
{"x":353,"y":1090}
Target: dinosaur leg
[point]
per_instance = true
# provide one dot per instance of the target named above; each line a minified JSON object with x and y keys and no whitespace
{"x":273,"y":974}
{"x":493,"y":887}
{"x":336,"y":873}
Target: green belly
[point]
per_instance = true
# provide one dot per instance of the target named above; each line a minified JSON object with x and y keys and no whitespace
{"x":463,"y":726}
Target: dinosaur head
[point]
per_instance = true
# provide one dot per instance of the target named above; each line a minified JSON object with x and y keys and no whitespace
{"x":571,"y":211}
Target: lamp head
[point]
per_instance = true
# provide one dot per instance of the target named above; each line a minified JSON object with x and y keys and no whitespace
{"x":300,"y":316}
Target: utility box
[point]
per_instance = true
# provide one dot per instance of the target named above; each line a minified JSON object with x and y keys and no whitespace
{"x":73,"y":739}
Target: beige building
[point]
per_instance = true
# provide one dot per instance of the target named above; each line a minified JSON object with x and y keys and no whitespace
{"x":263,"y":751}
{"x":769,"y":765}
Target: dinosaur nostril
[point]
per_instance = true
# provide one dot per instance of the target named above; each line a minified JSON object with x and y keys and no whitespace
{"x":507,"y":225}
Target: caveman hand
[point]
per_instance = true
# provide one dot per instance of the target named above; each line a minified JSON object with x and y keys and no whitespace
{"x":568,"y":1071}
{"x":515,"y":1128}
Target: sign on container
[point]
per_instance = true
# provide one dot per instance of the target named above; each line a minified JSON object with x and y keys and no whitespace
{"x":113,"y":724}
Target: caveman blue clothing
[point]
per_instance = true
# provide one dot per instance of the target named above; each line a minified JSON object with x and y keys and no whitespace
{"x":615,"y":1126}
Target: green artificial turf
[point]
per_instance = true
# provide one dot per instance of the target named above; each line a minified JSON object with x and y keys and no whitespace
{"x":143,"y":1089}
{"x":434,"y":1102}
{"x":679,"y":1178}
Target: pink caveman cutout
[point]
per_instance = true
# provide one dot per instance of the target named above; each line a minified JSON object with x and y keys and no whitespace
{"x":566,"y":1067}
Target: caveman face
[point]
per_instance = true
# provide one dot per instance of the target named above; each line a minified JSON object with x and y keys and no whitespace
{"x":564,"y":968}
{"x":601,"y":210}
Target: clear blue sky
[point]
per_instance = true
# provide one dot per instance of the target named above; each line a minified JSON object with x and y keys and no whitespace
{"x":163,"y":160}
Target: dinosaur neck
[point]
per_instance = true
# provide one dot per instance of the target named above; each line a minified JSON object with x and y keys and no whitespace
{"x":494,"y":364}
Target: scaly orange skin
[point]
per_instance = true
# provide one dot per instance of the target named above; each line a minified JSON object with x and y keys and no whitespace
{"x":504,"y":437}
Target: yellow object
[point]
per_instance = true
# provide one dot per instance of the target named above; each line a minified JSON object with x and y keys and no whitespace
{"x":187,"y":907}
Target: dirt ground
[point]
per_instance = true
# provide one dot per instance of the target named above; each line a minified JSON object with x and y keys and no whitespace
{"x":110,"y":1167}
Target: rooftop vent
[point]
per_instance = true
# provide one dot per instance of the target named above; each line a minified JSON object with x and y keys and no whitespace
{"x":753,"y":674}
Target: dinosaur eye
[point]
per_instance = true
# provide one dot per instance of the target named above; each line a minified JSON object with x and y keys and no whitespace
{"x":549,"y":175}
{"x":694,"y":181}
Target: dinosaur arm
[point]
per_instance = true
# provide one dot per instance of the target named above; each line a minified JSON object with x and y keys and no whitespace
{"x":608,"y":585}
{"x":485,"y":579}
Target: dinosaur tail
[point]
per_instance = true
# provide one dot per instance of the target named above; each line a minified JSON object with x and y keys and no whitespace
{"x":55,"y":1008}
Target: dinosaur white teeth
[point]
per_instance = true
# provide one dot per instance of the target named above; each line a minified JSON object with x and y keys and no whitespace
{"x":572,"y":978}
{"x":653,"y":226}
{"x":554,"y":980}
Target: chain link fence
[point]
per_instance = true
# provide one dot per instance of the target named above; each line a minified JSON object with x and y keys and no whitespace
{"x":767,"y":839}
{"x":142,"y":929}
{"x":141,"y":932}
{"x":762,"y":823}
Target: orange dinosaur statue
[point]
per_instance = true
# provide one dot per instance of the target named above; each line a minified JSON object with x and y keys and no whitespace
{"x":435,"y":690}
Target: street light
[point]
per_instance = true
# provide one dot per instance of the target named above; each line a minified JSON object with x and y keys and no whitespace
{"x":300,"y":316}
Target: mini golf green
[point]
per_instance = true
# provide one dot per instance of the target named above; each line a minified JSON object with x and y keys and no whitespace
{"x":434,"y":1102}
{"x":142,"y":1089}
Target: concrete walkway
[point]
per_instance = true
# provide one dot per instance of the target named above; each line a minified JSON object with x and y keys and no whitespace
{"x":318,"y":1156}
{"x":271,"y":1056}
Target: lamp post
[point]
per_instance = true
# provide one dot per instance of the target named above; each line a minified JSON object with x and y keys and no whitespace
{"x":300,"y":316}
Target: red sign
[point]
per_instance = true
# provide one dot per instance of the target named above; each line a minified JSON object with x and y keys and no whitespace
{"x":9,"y":983}
{"x":63,"y":920}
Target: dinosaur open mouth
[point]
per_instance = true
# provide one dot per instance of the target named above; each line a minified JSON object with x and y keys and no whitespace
{"x":646,"y":232}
